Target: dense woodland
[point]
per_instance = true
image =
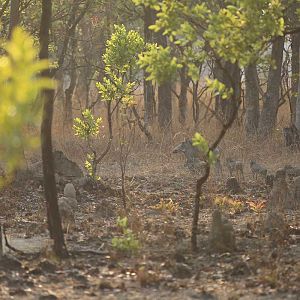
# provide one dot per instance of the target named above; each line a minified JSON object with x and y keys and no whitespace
{"x":149,"y":149}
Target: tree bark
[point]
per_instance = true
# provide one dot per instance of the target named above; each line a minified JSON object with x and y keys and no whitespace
{"x":54,"y":221}
{"x":295,"y":74}
{"x":251,"y":99}
{"x":196,"y":104}
{"x":268,"y":115}
{"x":297,"y":109}
{"x":149,"y":100}
{"x":229,"y":74}
{"x":164,"y":105}
{"x":164,"y":94}
{"x":184,"y":84}
{"x":14,"y":16}
{"x":68,"y":112}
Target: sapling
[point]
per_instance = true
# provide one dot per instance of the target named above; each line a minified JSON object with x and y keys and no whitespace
{"x":87,"y":128}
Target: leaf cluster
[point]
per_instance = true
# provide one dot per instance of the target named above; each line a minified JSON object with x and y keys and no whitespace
{"x":121,"y":67}
{"x":20,"y":84}
{"x":87,"y":126}
{"x":127,"y":242}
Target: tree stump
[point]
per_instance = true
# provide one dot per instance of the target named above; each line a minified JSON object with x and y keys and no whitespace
{"x":280,"y":197}
{"x":296,"y":192}
{"x":221,"y":238}
{"x":275,"y":226}
{"x":233,"y":186}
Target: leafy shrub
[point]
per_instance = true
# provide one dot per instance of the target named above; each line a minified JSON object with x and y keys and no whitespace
{"x":128,"y":242}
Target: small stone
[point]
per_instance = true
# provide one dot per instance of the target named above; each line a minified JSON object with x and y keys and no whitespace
{"x":69,"y":191}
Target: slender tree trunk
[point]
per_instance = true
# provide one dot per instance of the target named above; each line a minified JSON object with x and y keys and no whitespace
{"x":230,"y":75}
{"x":164,"y":105}
{"x":68,"y":112}
{"x":196,"y":104}
{"x":295,"y":74}
{"x":1,"y":240}
{"x":149,"y":100}
{"x":268,"y":115}
{"x":54,"y":221}
{"x":184,"y":84}
{"x":14,"y":16}
{"x":68,"y":107}
{"x":297,"y":109}
{"x":164,"y":94}
{"x":251,"y":99}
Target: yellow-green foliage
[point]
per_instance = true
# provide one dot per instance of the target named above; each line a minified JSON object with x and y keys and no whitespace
{"x":165,"y":205}
{"x":19,"y":86}
{"x":121,"y":66}
{"x":87,"y":126}
{"x":229,"y":204}
{"x":127,"y":242}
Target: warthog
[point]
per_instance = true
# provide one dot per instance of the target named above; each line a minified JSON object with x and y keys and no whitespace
{"x":195,"y":159}
{"x":258,"y":169}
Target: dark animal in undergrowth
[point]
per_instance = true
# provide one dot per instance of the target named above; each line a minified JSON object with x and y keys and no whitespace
{"x":195,"y":158}
{"x":258,"y":170}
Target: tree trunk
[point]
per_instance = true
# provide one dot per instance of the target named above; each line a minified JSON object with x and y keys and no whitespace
{"x":229,"y":74}
{"x":149,"y":100}
{"x":196,"y":104}
{"x":184,"y":84}
{"x":165,"y":105}
{"x":295,"y":74}
{"x":251,"y":99}
{"x":68,"y":113}
{"x":14,"y":16}
{"x":54,"y":221}
{"x":297,"y":109}
{"x":164,"y":94}
{"x":270,"y":107}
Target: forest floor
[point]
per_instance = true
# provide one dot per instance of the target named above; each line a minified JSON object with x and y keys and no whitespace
{"x":160,"y":201}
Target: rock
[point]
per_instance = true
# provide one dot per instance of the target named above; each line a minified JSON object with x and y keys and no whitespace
{"x":69,"y":191}
{"x":275,"y":226}
{"x":66,"y":167}
{"x":221,"y":238}
{"x":233,"y":186}
{"x":280,"y":196}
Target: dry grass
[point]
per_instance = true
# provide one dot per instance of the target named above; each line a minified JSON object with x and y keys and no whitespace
{"x":158,"y":157}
